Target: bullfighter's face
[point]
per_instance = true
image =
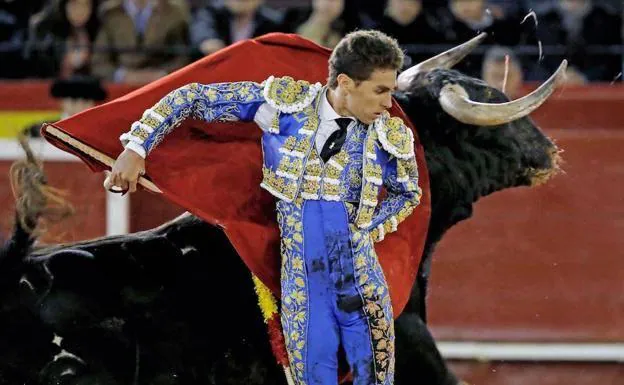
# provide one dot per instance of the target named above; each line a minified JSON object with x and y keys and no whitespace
{"x":368,"y":99}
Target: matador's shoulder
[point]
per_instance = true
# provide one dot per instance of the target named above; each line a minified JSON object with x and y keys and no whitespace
{"x":395,"y":136}
{"x":289,"y":95}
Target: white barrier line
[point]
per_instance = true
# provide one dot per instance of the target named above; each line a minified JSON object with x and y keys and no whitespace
{"x":10,"y":150}
{"x":502,"y":351}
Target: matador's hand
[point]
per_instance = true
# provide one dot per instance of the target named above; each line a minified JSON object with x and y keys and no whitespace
{"x":126,"y":171}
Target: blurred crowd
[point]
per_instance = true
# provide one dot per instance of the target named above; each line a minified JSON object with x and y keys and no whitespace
{"x":137,"y":41}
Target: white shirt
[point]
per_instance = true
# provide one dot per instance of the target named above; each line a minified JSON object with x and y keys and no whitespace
{"x":327,"y":120}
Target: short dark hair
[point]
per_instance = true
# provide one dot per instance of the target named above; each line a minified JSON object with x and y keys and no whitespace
{"x":359,"y":53}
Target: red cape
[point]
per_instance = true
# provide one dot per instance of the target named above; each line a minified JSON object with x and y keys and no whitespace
{"x":214,"y":170}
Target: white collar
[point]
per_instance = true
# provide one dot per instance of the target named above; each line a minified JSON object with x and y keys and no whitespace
{"x":326,"y":111}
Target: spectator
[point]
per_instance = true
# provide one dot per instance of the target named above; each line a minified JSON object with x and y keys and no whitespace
{"x":577,"y":25}
{"x":501,"y":9}
{"x":62,"y":37}
{"x":464,"y":19}
{"x":79,"y":29}
{"x":323,"y":25}
{"x":217,"y":26}
{"x":140,"y":40}
{"x":14,"y":15}
{"x":326,"y":21}
{"x":409,"y":23}
{"x":495,"y":67}
{"x":373,"y":9}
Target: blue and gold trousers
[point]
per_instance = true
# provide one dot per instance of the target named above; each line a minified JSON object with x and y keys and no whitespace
{"x":333,"y":294}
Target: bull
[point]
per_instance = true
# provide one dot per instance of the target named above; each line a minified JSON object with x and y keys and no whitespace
{"x":176,"y":305}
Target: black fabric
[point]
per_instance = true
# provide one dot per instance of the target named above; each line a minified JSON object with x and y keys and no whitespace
{"x":336,"y":139}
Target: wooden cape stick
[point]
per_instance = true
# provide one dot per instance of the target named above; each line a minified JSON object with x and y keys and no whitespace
{"x":95,"y":154}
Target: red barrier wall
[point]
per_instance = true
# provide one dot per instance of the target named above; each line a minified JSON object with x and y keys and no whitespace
{"x":83,"y":190}
{"x":543,"y":263}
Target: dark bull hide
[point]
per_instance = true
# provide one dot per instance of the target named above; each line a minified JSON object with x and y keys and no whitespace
{"x":175,"y":305}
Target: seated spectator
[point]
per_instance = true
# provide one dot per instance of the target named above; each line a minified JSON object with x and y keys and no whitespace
{"x":465,"y":19}
{"x":67,"y":29}
{"x":140,"y":40}
{"x":372,"y":9}
{"x":502,"y":9}
{"x":577,"y":25}
{"x":325,"y":22}
{"x":506,"y":77}
{"x":409,"y":23}
{"x":14,"y":16}
{"x":217,"y":26}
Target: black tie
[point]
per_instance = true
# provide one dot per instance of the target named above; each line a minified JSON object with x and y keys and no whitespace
{"x":336,"y":139}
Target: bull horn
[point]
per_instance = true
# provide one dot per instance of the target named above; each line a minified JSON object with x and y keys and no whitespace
{"x":455,"y":101}
{"x":445,"y":60}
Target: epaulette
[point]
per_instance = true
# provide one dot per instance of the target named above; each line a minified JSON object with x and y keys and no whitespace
{"x":395,"y":136}
{"x":289,"y":95}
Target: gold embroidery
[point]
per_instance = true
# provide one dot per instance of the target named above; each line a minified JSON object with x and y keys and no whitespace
{"x":291,"y":165}
{"x":293,"y":283}
{"x":284,"y":182}
{"x":374,"y":233}
{"x":303,"y":145}
{"x":355,"y":179}
{"x":312,"y":122}
{"x":351,"y":210}
{"x":371,"y":143}
{"x":150,"y":121}
{"x":275,"y":123}
{"x":342,"y":158}
{"x":405,"y":212}
{"x":313,"y":169}
{"x":140,"y":133}
{"x":163,"y":109}
{"x":388,"y":227}
{"x":296,"y":166}
{"x":333,"y":172}
{"x":372,"y":170}
{"x":289,"y":143}
{"x":332,"y":189}
{"x":377,"y":305}
{"x":211,"y":94}
{"x":370,"y":192}
{"x":283,"y":187}
{"x":286,"y":92}
{"x":395,"y":136}
{"x":365,"y":215}
{"x":371,"y":181}
{"x":401,"y":171}
{"x":310,"y":187}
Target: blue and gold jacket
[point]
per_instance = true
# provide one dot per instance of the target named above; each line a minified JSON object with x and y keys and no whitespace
{"x":381,"y":154}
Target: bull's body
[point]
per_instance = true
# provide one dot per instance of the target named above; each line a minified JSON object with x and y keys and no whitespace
{"x":176,"y":305}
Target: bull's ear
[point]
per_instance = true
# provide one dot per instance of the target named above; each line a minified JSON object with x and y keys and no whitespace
{"x":455,"y":101}
{"x":445,"y":60}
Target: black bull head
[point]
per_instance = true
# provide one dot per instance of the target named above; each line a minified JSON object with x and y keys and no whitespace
{"x":175,"y":305}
